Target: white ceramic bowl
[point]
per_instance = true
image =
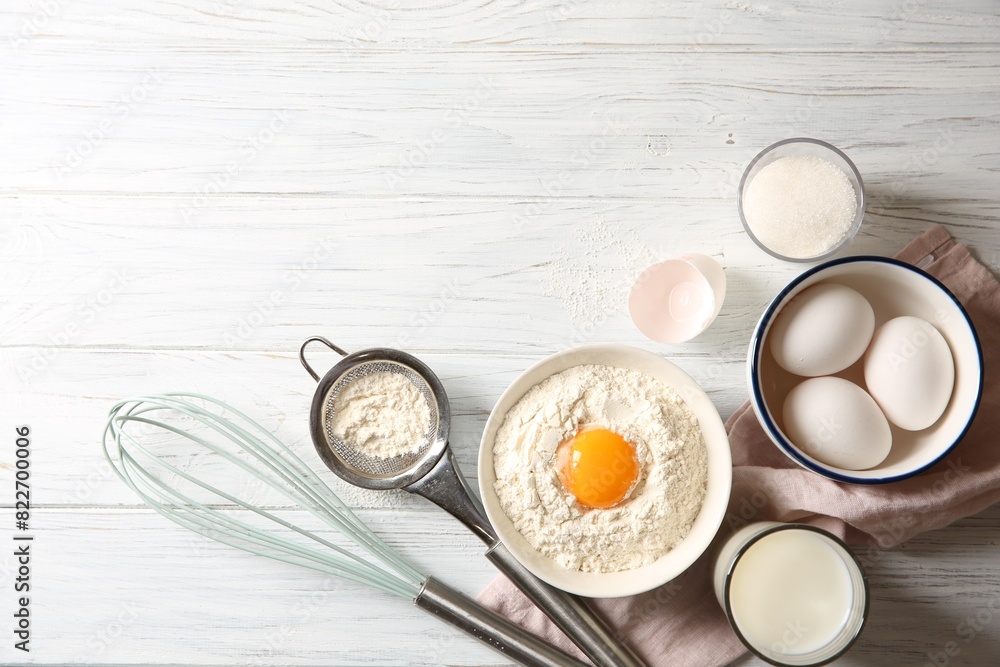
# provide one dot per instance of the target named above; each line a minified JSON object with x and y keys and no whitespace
{"x":720,"y":473}
{"x":893,"y":288}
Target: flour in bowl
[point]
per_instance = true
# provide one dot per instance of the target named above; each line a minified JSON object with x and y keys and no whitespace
{"x":382,"y":415}
{"x":657,"y":511}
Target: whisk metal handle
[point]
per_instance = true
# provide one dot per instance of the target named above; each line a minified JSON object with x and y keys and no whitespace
{"x":492,"y":629}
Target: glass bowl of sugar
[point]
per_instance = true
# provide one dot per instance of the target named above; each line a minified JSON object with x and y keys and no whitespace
{"x":801,"y":200}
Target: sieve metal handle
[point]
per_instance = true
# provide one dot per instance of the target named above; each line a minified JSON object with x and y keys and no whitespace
{"x":569,"y":612}
{"x":490,"y":628}
{"x":317,"y":339}
{"x":446,"y":487}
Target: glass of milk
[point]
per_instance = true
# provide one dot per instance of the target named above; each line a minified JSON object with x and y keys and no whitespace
{"x":795,"y":594}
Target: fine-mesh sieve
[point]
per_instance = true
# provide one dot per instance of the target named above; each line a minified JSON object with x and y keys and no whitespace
{"x":349,"y":462}
{"x":375,"y":468}
{"x":430,"y":471}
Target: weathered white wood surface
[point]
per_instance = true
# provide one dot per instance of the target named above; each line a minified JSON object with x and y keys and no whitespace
{"x":512,"y":122}
{"x":190,"y":188}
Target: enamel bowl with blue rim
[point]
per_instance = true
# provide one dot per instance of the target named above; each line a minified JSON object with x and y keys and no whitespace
{"x":893,"y":289}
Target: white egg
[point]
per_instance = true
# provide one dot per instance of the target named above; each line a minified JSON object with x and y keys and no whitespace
{"x":822,"y":330}
{"x":910,"y":372}
{"x":836,"y":422}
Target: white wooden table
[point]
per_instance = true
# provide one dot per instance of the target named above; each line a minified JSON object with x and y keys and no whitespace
{"x":189,"y":188}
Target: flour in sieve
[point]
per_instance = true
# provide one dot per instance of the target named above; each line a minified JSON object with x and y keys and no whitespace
{"x":382,"y":415}
{"x":669,"y":446}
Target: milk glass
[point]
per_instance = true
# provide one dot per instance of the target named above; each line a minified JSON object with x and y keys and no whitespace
{"x":795,"y":594}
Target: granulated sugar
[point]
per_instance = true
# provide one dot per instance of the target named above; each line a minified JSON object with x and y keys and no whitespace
{"x":800,"y":206}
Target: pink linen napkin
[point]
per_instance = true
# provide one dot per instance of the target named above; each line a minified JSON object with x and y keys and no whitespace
{"x":681,"y":622}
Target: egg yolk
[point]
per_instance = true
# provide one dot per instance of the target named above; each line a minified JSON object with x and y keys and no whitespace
{"x":598,"y":467}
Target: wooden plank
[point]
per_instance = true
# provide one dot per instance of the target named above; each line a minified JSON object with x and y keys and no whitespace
{"x":525,"y":277}
{"x":512,"y":123}
{"x":411,"y":24}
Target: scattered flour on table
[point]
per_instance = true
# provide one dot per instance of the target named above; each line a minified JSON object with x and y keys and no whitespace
{"x":382,"y":415}
{"x":669,"y":446}
{"x":592,"y":273}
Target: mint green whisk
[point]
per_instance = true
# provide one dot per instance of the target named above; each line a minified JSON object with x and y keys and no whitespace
{"x":229,"y":443}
